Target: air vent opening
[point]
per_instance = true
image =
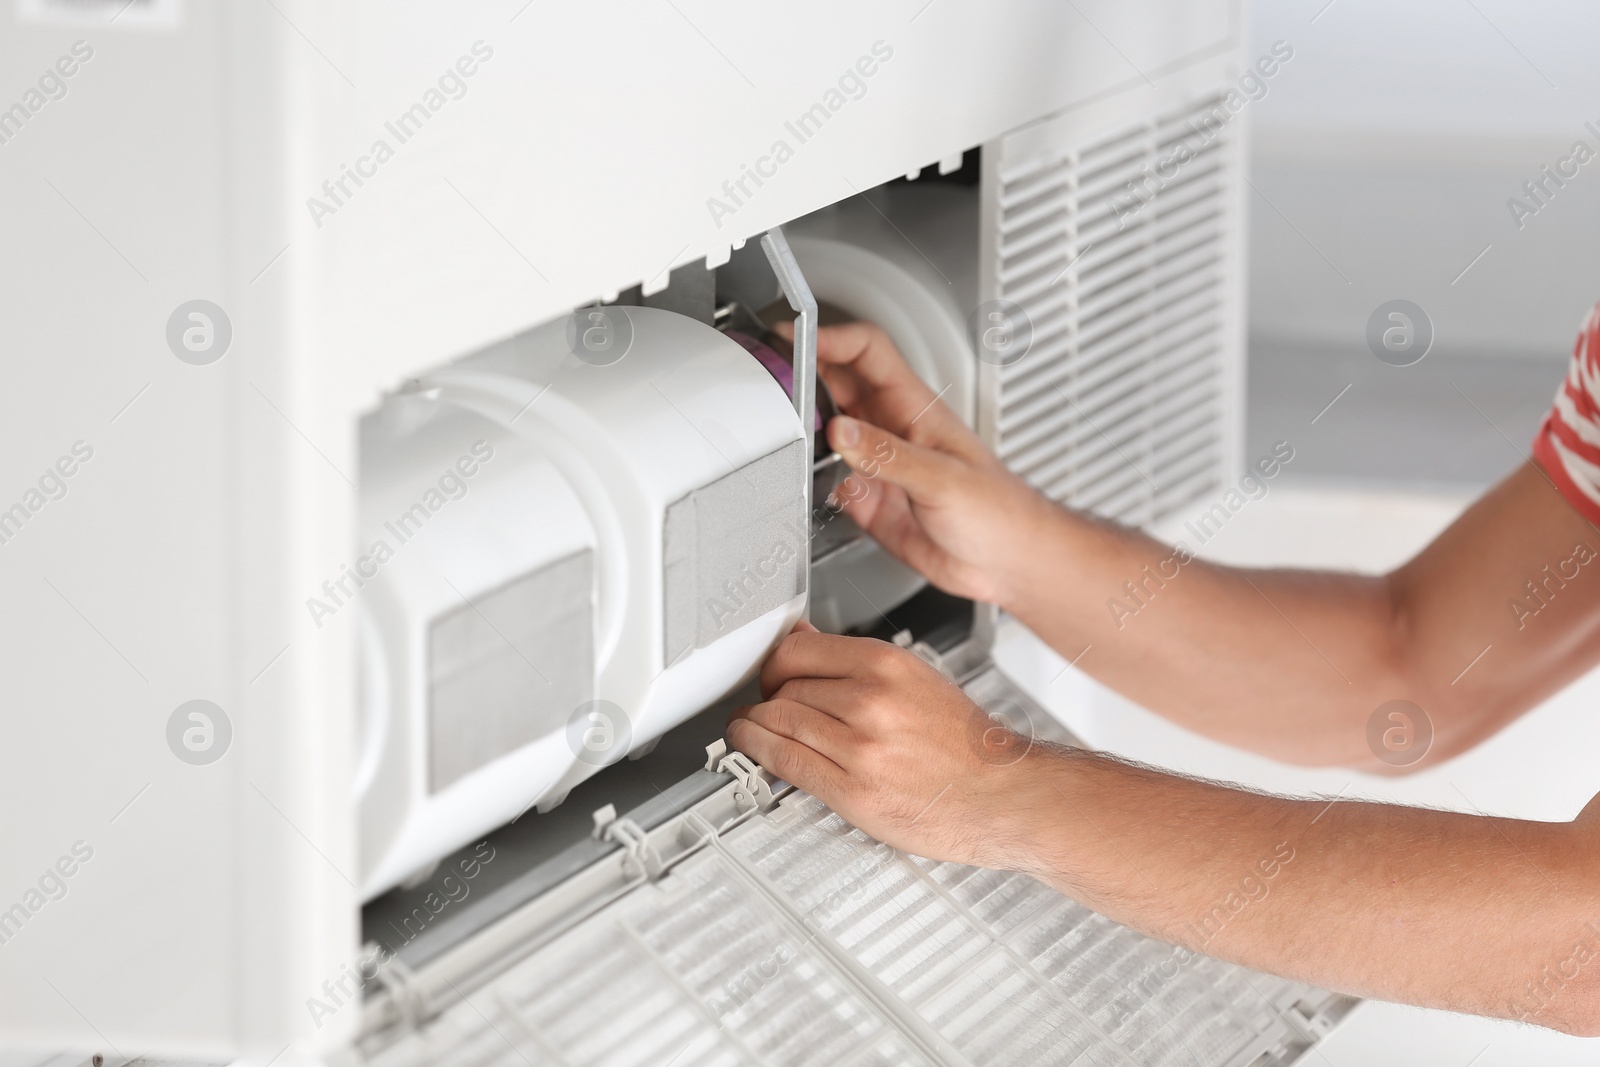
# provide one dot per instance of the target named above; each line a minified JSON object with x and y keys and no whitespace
{"x":1118,"y":244}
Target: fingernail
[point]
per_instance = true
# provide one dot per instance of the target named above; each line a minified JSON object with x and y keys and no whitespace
{"x":846,"y":431}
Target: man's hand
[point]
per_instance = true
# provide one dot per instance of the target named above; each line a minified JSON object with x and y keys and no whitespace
{"x":935,"y":497}
{"x":1463,"y":912}
{"x":887,"y":742}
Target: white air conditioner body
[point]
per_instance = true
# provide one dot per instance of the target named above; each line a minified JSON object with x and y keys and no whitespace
{"x":371,"y":198}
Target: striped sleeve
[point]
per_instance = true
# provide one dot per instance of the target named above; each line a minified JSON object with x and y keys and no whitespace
{"x":1567,"y":446}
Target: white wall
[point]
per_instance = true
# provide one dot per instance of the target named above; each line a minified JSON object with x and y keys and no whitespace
{"x":1385,"y":151}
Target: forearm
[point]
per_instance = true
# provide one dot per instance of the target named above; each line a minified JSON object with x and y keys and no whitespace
{"x":1468,"y":913}
{"x":1241,"y":653}
{"x":1490,"y":618}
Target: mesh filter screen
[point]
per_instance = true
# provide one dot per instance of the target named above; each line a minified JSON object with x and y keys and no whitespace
{"x":796,"y":940}
{"x":1006,"y":969}
{"x":509,"y":667}
{"x":731,"y":550}
{"x":695,"y":970}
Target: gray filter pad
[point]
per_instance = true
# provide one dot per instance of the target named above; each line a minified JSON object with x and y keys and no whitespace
{"x":732,"y":550}
{"x":509,"y":667}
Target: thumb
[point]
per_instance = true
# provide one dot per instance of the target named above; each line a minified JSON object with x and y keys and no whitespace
{"x":804,"y":627}
{"x":876,"y":453}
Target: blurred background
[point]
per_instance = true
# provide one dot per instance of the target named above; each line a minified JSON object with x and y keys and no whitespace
{"x":1383,"y":159}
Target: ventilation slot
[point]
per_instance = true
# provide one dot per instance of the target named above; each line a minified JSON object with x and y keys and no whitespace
{"x":1121,"y":253}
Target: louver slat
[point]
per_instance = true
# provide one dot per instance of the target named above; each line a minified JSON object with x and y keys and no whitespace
{"x":1121,"y":405}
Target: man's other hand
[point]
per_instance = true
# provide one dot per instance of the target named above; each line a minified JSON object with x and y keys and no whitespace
{"x":894,"y":747}
{"x":925,"y":487}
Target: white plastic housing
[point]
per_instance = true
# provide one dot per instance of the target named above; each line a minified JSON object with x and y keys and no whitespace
{"x":567,"y":457}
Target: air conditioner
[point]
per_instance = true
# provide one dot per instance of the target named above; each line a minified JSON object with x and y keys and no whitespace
{"x":435,"y":486}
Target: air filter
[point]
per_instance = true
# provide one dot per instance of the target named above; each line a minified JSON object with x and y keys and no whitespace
{"x":566,"y":551}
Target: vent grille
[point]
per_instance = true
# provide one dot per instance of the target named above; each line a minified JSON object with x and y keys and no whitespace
{"x":796,"y":940}
{"x":1121,"y":252}
{"x":1006,"y":969}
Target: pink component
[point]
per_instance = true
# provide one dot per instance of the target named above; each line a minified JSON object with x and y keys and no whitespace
{"x":776,"y":365}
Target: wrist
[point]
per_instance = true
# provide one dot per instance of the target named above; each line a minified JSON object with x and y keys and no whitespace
{"x":1031,"y":798}
{"x":1031,"y":522}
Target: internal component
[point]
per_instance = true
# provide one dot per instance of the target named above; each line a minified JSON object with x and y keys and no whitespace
{"x":570,"y":550}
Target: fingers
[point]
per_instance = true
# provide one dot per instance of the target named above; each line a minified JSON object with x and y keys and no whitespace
{"x":859,"y":362}
{"x":864,"y":346}
{"x":789,"y":717}
{"x":852,"y":342}
{"x":868,"y":377}
{"x":885,"y":514}
{"x":788,"y":759}
{"x":922,"y":472}
{"x":832,"y":697}
{"x":812,"y":655}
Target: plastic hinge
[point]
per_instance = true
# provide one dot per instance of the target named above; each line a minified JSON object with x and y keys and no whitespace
{"x":1313,"y":1027}
{"x":405,"y":991}
{"x":923,"y":651}
{"x":751,"y":787}
{"x":639,"y":856}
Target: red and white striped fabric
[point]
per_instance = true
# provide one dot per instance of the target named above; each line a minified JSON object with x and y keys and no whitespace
{"x":1567,"y":445}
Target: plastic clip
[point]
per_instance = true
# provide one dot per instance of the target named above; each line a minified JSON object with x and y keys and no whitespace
{"x":639,"y":856}
{"x":923,"y":651}
{"x":752,"y":785}
{"x":405,"y":991}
